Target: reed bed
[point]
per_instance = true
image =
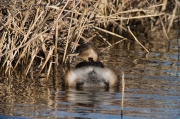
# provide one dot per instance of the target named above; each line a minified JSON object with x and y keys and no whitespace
{"x":35,"y":34}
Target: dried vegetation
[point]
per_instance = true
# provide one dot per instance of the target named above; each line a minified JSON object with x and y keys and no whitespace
{"x":37,"y":33}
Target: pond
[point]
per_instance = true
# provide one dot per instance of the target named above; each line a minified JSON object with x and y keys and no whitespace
{"x":152,"y":86}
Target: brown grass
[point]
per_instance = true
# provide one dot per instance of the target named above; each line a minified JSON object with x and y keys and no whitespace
{"x":47,"y":30}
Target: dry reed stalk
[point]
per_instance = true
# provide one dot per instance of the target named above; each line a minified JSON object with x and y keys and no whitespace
{"x":8,"y":60}
{"x":2,"y":40}
{"x":104,"y":39}
{"x":68,"y":37}
{"x":165,"y":32}
{"x":21,"y":56}
{"x":86,"y":40}
{"x":33,"y":55}
{"x":108,"y":32}
{"x":123,"y":88}
{"x":173,"y":15}
{"x":164,"y":5}
{"x":127,"y":18}
{"x":113,"y":44}
{"x":24,"y":20}
{"x":43,"y":46}
{"x":47,"y":59}
{"x":8,"y":67}
{"x":55,"y":44}
{"x":25,"y":44}
{"x":61,"y":11}
{"x":137,"y":40}
{"x":80,"y":30}
{"x":32,"y":27}
{"x":129,"y":12}
{"x":44,"y":21}
{"x":71,"y":9}
{"x":5,"y":61}
{"x":48,"y":72}
{"x":37,"y":17}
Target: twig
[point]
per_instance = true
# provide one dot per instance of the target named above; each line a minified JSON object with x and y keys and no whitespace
{"x":113,"y":44}
{"x":49,"y":70}
{"x":108,"y":32}
{"x":122,"y":100}
{"x":34,"y":52}
{"x":47,"y":59}
{"x":173,"y":16}
{"x":137,"y":39}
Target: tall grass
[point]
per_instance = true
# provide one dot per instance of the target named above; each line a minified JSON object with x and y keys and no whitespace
{"x":46,"y":30}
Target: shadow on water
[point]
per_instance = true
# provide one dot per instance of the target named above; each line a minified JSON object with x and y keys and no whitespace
{"x":152,"y":88}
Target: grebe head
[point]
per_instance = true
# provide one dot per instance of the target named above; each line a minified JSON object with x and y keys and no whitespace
{"x":87,"y":52}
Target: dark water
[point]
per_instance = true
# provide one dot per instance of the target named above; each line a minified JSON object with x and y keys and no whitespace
{"x":152,"y":89}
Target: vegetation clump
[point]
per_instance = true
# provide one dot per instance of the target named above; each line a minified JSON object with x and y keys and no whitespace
{"x":37,"y":33}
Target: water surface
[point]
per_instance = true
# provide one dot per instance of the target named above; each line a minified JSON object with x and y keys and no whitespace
{"x":152,"y":86}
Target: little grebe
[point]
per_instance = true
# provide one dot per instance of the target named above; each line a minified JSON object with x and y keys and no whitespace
{"x":90,"y":72}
